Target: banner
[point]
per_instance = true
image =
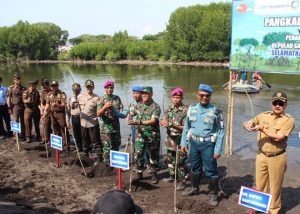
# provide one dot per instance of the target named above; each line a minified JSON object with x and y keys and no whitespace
{"x":266,"y":36}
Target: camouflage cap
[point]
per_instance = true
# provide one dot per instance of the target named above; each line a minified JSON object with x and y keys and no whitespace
{"x":54,"y":83}
{"x":17,"y":77}
{"x":89,"y":83}
{"x":147,"y":89}
{"x":45,"y":81}
{"x":76,"y":86}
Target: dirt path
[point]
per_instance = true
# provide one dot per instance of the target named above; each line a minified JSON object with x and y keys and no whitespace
{"x":29,"y":183}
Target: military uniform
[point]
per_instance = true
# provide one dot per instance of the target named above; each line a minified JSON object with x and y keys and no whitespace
{"x":175,"y":116}
{"x":110,"y":126}
{"x":147,"y":136}
{"x":271,"y":158}
{"x":15,"y":93}
{"x":58,"y":117}
{"x":47,"y":119}
{"x":32,"y":112}
{"x":90,"y":132}
{"x":73,"y":114}
{"x":204,"y":130}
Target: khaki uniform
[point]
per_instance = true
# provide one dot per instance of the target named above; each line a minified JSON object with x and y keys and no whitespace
{"x":271,"y":158}
{"x":47,"y":119}
{"x":90,"y":132}
{"x":32,"y":112}
{"x":15,"y":94}
{"x":58,"y":116}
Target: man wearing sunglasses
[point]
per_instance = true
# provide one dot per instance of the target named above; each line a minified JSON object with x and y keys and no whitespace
{"x":273,"y":129}
{"x":204,"y":130}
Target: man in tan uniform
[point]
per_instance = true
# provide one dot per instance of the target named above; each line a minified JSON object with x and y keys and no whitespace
{"x":15,"y":103}
{"x":56,"y":104}
{"x":31,"y":100}
{"x":47,"y":119}
{"x":273,"y":129}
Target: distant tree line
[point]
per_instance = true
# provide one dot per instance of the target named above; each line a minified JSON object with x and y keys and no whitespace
{"x":24,"y":41}
{"x":196,"y":33}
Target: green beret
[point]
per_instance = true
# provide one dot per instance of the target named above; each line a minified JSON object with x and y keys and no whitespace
{"x":147,"y":89}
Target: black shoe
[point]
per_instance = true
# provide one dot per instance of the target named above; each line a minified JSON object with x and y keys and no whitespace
{"x":213,"y":199}
{"x":169,"y":179}
{"x":38,"y":139}
{"x":28,"y":140}
{"x":190,"y":192}
{"x":180,"y":186}
{"x":154,"y":178}
{"x":22,"y":139}
{"x":138,"y":177}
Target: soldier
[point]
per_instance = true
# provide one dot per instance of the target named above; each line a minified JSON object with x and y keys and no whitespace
{"x":31,"y":100}
{"x":73,"y":113}
{"x":47,"y":119}
{"x":15,"y":103}
{"x":148,"y":134}
{"x":90,"y":132}
{"x":56,"y":104}
{"x":174,"y":122}
{"x":4,"y":114}
{"x":273,"y":129}
{"x":109,"y":123}
{"x":204,"y":129}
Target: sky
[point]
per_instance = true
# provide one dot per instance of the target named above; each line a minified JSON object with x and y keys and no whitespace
{"x":138,"y":17}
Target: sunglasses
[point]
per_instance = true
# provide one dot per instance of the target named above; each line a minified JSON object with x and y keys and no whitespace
{"x":278,"y":103}
{"x":204,"y":95}
{"x":109,"y":87}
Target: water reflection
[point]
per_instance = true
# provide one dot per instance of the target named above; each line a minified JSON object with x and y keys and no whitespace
{"x":160,"y":76}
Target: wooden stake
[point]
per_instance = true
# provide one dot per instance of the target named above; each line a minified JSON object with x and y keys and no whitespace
{"x":17,"y":140}
{"x":228,"y":115}
{"x":175,"y":181}
{"x":231,"y":125}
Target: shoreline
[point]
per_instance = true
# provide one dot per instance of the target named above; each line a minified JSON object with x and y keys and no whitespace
{"x":130,"y":62}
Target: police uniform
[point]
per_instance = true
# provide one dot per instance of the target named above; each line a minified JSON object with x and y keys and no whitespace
{"x":204,"y":130}
{"x":147,"y":136}
{"x":109,"y":124}
{"x":47,"y":118}
{"x":58,"y":117}
{"x":4,"y":114}
{"x":31,"y":100}
{"x":175,"y":116}
{"x":15,"y":94}
{"x":73,"y":114}
{"x":90,"y":132}
{"x":271,"y":158}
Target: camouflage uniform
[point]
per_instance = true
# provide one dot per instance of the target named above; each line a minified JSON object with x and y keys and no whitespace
{"x":175,"y":116}
{"x":147,"y":136}
{"x":32,"y":112}
{"x":110,"y":126}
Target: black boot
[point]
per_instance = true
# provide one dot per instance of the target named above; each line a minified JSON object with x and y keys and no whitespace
{"x":180,"y":186}
{"x":213,"y":186}
{"x":154,"y":178}
{"x":195,"y":180}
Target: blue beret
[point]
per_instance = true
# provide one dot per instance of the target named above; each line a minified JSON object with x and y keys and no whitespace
{"x":137,"y":88}
{"x":207,"y":88}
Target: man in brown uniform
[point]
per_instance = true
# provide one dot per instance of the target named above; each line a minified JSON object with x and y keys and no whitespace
{"x":273,"y":129}
{"x":56,"y":104}
{"x":31,"y":100}
{"x":47,"y":119}
{"x":15,"y":103}
{"x":90,"y":132}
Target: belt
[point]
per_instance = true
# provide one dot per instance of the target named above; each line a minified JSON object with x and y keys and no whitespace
{"x":75,"y":116}
{"x":201,"y":139}
{"x":273,"y":154}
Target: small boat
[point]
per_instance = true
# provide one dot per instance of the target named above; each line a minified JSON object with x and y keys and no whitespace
{"x":245,"y":88}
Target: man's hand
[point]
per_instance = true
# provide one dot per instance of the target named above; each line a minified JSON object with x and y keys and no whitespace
{"x":216,"y":156}
{"x":184,"y":150}
{"x":107,"y":105}
{"x":164,"y":123}
{"x":248,"y":125}
{"x":133,"y":122}
{"x":68,"y":125}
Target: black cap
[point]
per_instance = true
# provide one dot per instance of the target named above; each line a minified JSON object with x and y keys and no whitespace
{"x":279,"y":96}
{"x":54,"y":83}
{"x":116,"y":202}
{"x":76,"y":86}
{"x":33,"y":82}
{"x":17,"y":77}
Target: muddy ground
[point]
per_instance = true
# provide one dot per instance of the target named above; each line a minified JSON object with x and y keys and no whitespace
{"x":30,"y":183}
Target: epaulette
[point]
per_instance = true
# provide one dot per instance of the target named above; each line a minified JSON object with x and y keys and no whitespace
{"x":267,"y":112}
{"x":288,"y":115}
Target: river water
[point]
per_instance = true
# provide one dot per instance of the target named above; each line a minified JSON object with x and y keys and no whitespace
{"x":162,"y":76}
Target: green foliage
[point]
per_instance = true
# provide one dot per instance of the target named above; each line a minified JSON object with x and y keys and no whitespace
{"x":112,"y":56}
{"x":24,"y":41}
{"x":64,"y":56}
{"x":89,"y":38}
